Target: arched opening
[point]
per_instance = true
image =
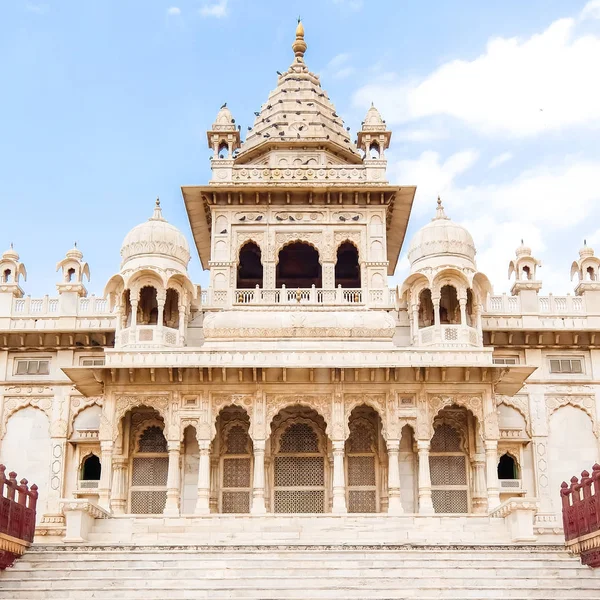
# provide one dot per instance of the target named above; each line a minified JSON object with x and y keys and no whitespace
{"x":470,"y":308}
{"x":232,"y":450}
{"x":347,"y":267}
{"x":374,"y":151}
{"x":364,"y":447}
{"x":448,"y":461}
{"x":300,"y":469}
{"x":91,"y":468}
{"x":591,"y":274}
{"x":298,"y":266}
{"x":147,"y":313}
{"x":171,"y":311}
{"x":449,"y":306}
{"x":250,"y":268}
{"x":223,"y":149}
{"x":6,"y":276}
{"x":526,"y":272}
{"x":149,"y":463}
{"x":70,"y":274}
{"x":508,"y":467}
{"x":425,"y":309}
{"x":126,"y":303}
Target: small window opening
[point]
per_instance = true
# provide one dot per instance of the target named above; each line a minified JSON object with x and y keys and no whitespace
{"x":526,"y":273}
{"x":374,"y":151}
{"x":70,"y":274}
{"x":591,"y":274}
{"x":507,"y":467}
{"x":425,"y":309}
{"x":6,"y":276}
{"x":223,"y":150}
{"x":449,"y":306}
{"x":91,"y":468}
{"x":347,"y":267}
{"x":299,"y":266}
{"x":250,"y":268}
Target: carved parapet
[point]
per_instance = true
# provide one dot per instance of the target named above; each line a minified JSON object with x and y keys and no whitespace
{"x":518,"y":513}
{"x":80,"y":516}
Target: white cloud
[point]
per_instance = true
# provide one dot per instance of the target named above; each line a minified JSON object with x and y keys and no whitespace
{"x":420,"y":135}
{"x":349,"y":4}
{"x":39,"y":9}
{"x":515,"y":88}
{"x":338,"y":66}
{"x":216,"y":9}
{"x":500,"y":160}
{"x":591,"y":10}
{"x":173,"y":11}
{"x":542,"y":205}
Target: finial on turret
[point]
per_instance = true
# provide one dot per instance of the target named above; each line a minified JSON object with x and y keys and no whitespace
{"x":157,"y":215}
{"x":299,"y":46}
{"x":439,"y":211}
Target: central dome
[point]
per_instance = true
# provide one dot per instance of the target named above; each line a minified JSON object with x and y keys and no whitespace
{"x":439,"y":238}
{"x":157,"y":238}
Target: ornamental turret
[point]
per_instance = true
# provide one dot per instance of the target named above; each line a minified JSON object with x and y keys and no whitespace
{"x":587,"y":269}
{"x":11,"y":270}
{"x":152,"y":293}
{"x":374,"y":140}
{"x":526,"y":284}
{"x":73,"y":269}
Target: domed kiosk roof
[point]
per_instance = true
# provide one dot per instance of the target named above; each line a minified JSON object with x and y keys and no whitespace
{"x":441,"y":237}
{"x":157,"y":238}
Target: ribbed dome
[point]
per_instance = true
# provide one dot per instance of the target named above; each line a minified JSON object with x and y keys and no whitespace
{"x":156,"y":237}
{"x":439,"y":237}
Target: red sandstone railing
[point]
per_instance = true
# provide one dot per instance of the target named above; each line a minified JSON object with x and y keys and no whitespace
{"x":17,"y":516}
{"x":581,"y":516}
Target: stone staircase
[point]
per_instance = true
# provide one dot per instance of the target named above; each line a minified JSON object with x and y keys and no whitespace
{"x":294,"y":572}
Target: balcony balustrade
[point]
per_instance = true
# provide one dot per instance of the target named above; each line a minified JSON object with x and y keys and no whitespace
{"x":17,"y":516}
{"x":448,"y":335}
{"x":581,"y":516}
{"x":150,"y":336}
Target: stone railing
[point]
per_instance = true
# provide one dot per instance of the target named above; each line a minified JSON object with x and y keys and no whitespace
{"x":49,"y":307}
{"x":546,"y":305}
{"x":382,"y":298}
{"x":17,"y":516}
{"x":581,"y":516}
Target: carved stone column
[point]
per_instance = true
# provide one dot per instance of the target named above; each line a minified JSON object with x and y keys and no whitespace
{"x":491,"y":462}
{"x":181,"y":324}
{"x":463,"y":311}
{"x":394,"y":499}
{"x":258,"y":484}
{"x":203,"y":502}
{"x":339,"y":479}
{"x":328,"y":275}
{"x":479,"y":499}
{"x":425,"y":502}
{"x":118,"y":496}
{"x":106,"y":451}
{"x":173,"y":479}
{"x":213,"y":501}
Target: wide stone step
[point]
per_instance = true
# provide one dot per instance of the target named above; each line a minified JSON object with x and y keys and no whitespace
{"x":401,"y":592}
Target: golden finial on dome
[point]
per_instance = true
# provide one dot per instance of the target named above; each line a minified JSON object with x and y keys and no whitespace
{"x":299,"y":46}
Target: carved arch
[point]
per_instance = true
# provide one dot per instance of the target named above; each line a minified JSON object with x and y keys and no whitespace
{"x":284,"y":425}
{"x":352,"y":401}
{"x":79,"y":405}
{"x":126,"y":403}
{"x":519,"y":404}
{"x":14,"y":405}
{"x":583,"y":403}
{"x":320,"y":404}
{"x":472,"y":403}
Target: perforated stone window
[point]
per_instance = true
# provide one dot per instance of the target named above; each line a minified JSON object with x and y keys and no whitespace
{"x":361,"y":467}
{"x":149,"y":472}
{"x":299,"y":472}
{"x":448,"y":468}
{"x":236,"y":470}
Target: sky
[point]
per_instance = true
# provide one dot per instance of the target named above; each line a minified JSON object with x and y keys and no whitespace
{"x":104,"y":106}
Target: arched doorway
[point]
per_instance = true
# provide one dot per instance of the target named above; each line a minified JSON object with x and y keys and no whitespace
{"x":298,"y":266}
{"x":449,"y":306}
{"x":250,"y":268}
{"x":448,"y":462}
{"x":425,"y":308}
{"x":149,"y":468}
{"x":363,"y":465}
{"x":300,"y":471}
{"x":233,"y":451}
{"x":347,"y":267}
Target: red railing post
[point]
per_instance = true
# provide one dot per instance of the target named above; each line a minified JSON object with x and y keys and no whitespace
{"x":17,"y":506}
{"x":565,"y":493}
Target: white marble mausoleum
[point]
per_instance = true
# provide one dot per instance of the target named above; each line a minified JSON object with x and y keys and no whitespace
{"x":298,"y":390}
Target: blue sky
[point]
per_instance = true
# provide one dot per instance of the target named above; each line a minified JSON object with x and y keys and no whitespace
{"x":105,"y":105}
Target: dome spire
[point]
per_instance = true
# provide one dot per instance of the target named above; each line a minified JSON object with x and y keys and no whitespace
{"x":157,"y":215}
{"x":439,"y":211}
{"x":299,"y":46}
